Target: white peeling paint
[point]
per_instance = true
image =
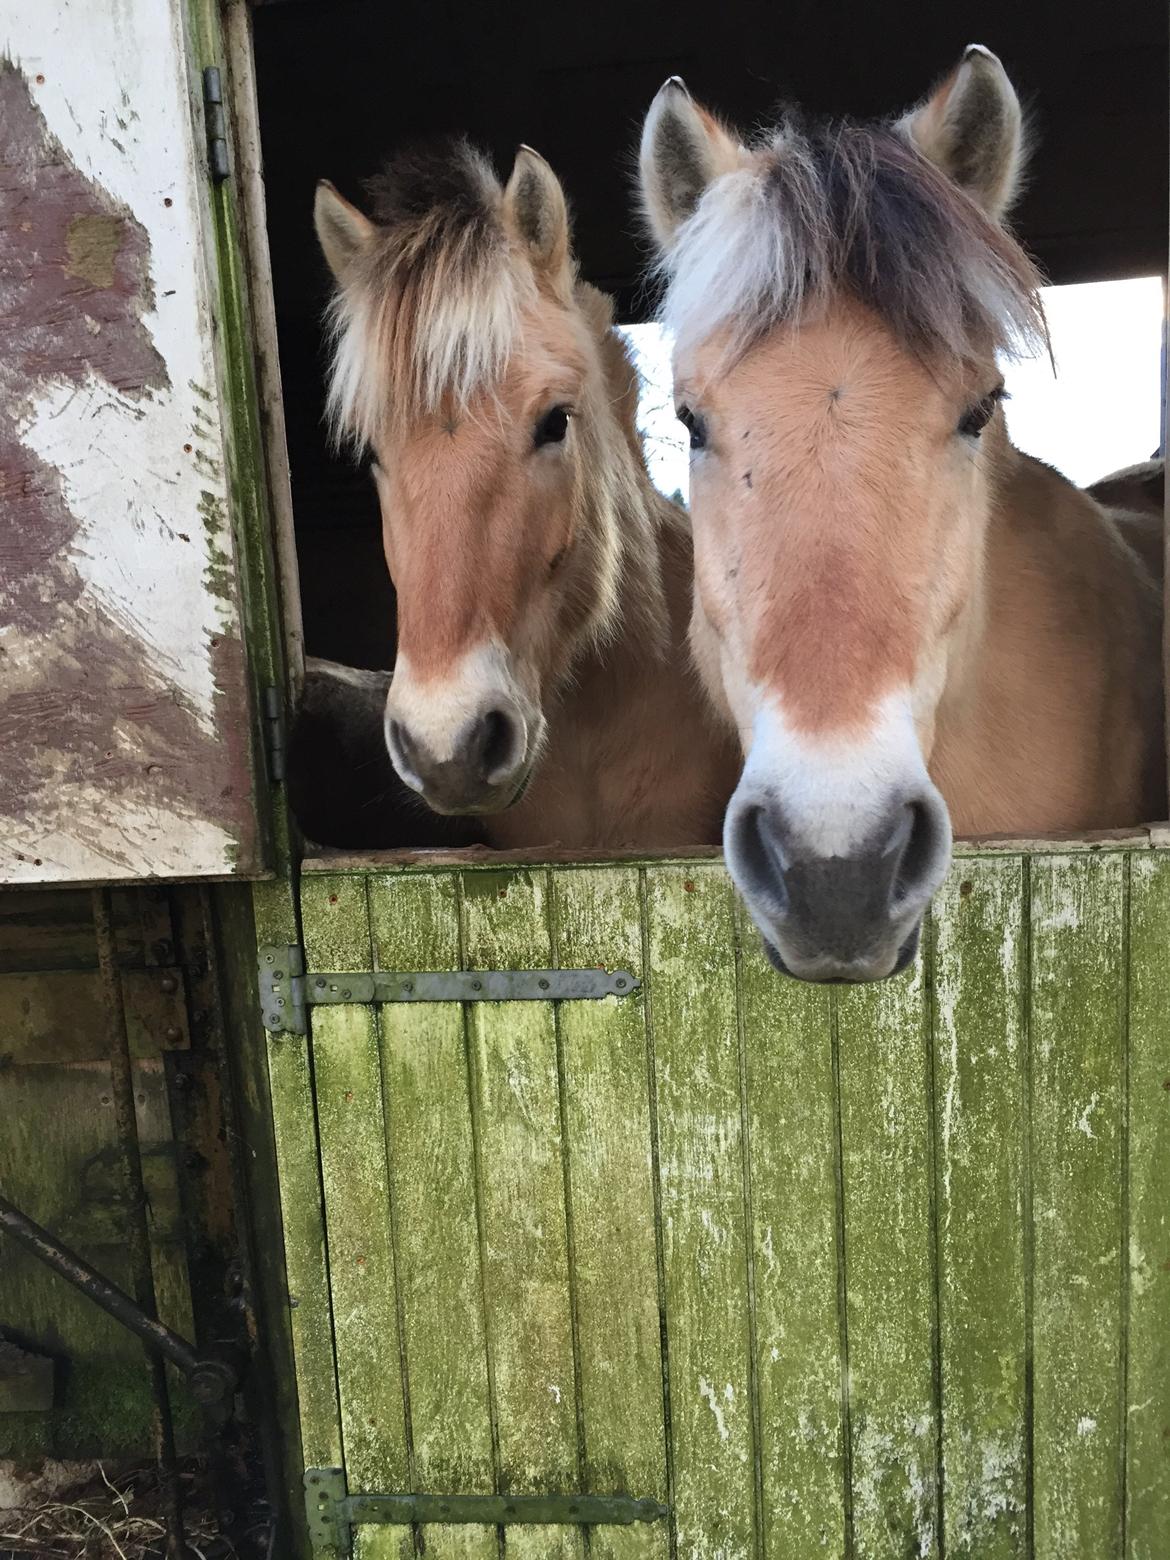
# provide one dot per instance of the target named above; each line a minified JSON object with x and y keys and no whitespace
{"x":112,"y":80}
{"x":708,"y":1394}
{"x":1086,"y":1424}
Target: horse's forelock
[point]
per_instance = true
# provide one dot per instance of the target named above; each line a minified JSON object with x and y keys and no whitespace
{"x":431,"y":312}
{"x":822,"y":209}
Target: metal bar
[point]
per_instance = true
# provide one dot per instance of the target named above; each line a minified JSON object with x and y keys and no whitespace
{"x":137,"y":1231}
{"x":98,"y":1289}
{"x":502,"y":1510}
{"x":470,"y":986}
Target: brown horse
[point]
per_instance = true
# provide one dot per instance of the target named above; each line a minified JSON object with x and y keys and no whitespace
{"x":542,"y":678}
{"x":913,"y":627}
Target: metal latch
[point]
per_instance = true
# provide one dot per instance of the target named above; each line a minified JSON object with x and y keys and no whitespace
{"x":333,"y":1514}
{"x":286,"y":992}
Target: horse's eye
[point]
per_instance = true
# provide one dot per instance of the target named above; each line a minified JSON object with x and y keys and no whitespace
{"x":552,"y":427}
{"x":694,"y":425}
{"x":976,"y":418}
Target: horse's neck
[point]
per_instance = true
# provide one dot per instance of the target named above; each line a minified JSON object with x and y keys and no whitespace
{"x":1051,"y":717}
{"x":633,"y":756}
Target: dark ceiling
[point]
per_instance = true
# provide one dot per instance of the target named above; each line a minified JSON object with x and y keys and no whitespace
{"x":341,"y":84}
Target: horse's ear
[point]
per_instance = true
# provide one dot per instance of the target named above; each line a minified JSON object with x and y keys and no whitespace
{"x":683,"y":148}
{"x":342,"y":231}
{"x":972,"y":128}
{"x":534,"y":203}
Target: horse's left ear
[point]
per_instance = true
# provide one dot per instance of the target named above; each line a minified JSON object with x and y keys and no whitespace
{"x":534,"y":202}
{"x":684,"y":147}
{"x":972,"y":128}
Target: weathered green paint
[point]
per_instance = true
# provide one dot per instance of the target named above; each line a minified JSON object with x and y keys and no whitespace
{"x":887,"y":1169}
{"x":1147,"y":1385}
{"x":597,"y":916}
{"x":522,"y":1207}
{"x":432,"y":1157}
{"x":690,"y":977}
{"x":295,"y":1139}
{"x":919,"y":1230}
{"x":348,"y":1075}
{"x":793,"y":1134}
{"x":1078,"y":1000}
{"x":980,"y":1069}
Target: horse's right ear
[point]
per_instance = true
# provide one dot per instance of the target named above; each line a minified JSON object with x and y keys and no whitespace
{"x":342,"y":231}
{"x":683,"y":149}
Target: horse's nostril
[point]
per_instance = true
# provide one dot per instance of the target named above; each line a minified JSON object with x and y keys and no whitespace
{"x":919,"y":852}
{"x":493,"y":743}
{"x":402,"y":742}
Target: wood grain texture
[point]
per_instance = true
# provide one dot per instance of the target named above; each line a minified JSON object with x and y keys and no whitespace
{"x":348,"y":1076}
{"x":1078,"y":1001}
{"x":691,"y":980}
{"x":1147,"y":1422}
{"x":792,"y":1125}
{"x":431,"y":1150}
{"x":597,"y":917}
{"x":886,"y":1130}
{"x":522,"y":1198}
{"x":980,"y":1062}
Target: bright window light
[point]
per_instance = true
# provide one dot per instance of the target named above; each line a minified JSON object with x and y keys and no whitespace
{"x":1100,"y":411}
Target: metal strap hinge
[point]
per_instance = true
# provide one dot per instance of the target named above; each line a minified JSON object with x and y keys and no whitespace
{"x":286,"y":992}
{"x":332,"y":1513}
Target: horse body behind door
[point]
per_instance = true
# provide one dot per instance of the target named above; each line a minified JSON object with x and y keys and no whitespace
{"x":542,"y":681}
{"x":914,"y":627}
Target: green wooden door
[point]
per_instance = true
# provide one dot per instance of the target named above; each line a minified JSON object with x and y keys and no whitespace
{"x":877,"y":1273}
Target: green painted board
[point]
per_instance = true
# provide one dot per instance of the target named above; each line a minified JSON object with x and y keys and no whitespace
{"x":431,"y":1151}
{"x":690,"y":965}
{"x":864,"y":1273}
{"x":887,"y":1170}
{"x":788,"y":1053}
{"x":1147,"y":1435}
{"x":525,"y":1240}
{"x":979,"y":1018}
{"x":348,"y":1075}
{"x":1078,"y":997}
{"x":597,"y":919}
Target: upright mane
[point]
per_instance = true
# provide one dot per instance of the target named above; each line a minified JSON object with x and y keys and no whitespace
{"x":819,"y":208}
{"x":431,"y":310}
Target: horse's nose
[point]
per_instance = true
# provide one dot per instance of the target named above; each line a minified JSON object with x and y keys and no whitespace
{"x":839,"y":918}
{"x":481,"y":770}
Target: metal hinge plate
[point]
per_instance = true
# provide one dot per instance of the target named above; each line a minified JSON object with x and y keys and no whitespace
{"x":213,"y":113}
{"x":282,"y":989}
{"x":333,"y":1514}
{"x":286,"y":992}
{"x":275,"y":741}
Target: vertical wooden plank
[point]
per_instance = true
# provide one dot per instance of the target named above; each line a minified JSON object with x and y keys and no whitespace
{"x":357,"y":1194}
{"x":691,"y":980}
{"x":1077,"y":1003}
{"x":430,"y":1143}
{"x":1147,"y":1442}
{"x":980,"y":1056}
{"x":598,"y":920}
{"x":522,"y":1200}
{"x":793,"y":1135}
{"x":883,"y":1052}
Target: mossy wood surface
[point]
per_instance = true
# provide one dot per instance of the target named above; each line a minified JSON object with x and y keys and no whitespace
{"x":872,"y":1273}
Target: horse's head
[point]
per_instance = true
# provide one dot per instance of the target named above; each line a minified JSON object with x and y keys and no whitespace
{"x":473,"y":365}
{"x":838,"y":295}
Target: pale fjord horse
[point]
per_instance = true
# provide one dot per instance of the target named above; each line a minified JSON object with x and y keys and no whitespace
{"x":543,"y":679}
{"x":913,"y":627}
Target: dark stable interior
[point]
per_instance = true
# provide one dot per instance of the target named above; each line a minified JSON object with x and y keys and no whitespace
{"x":342,"y":83}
